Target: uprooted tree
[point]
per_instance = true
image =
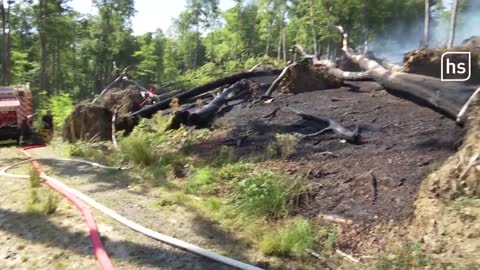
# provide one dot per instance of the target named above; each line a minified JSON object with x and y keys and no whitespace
{"x":447,"y":98}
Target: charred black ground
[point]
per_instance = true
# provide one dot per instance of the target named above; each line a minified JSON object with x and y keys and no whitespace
{"x":400,"y":144}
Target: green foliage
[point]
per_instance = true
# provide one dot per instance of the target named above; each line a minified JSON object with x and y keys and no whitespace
{"x":292,"y":240}
{"x":406,"y":257}
{"x":203,"y":181}
{"x":34,"y":179}
{"x":267,"y":194}
{"x":61,"y":105}
{"x":42,"y":200}
{"x":165,"y":202}
{"x":137,"y":148}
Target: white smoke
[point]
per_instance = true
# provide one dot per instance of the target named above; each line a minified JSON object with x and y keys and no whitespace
{"x":403,"y":38}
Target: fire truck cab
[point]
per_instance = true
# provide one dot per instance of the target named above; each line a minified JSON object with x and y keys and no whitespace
{"x":16,"y":112}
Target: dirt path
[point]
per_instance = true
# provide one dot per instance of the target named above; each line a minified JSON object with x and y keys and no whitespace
{"x":60,"y":240}
{"x":38,"y":241}
{"x":130,"y":250}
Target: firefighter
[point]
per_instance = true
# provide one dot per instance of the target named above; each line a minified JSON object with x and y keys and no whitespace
{"x":153,"y":96}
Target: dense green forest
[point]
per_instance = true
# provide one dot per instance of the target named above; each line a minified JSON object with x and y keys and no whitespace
{"x":57,"y":49}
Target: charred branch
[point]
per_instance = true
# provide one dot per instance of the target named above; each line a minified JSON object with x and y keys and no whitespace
{"x":206,"y":114}
{"x":347,"y":134}
{"x":164,"y":104}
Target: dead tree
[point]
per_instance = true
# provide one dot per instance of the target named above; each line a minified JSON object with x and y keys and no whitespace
{"x":426,"y":29}
{"x":453,"y":24}
{"x":332,"y":69}
{"x":447,"y":98}
{"x":205,"y":115}
{"x":164,"y":104}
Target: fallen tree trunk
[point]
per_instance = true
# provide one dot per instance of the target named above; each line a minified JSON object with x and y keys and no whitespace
{"x":205,"y":115}
{"x":149,"y":111}
{"x":170,"y":94}
{"x":332,"y":69}
{"x":447,"y":98}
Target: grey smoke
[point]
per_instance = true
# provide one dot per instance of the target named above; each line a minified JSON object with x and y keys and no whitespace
{"x":403,"y":38}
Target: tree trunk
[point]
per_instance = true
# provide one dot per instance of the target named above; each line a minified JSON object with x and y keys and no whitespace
{"x":314,"y":32}
{"x":453,"y":24}
{"x":284,"y":46}
{"x":6,"y":65}
{"x":149,"y":111}
{"x":447,"y":98}
{"x":279,"y":48}
{"x":44,"y":83}
{"x":267,"y":50}
{"x":426,"y":28}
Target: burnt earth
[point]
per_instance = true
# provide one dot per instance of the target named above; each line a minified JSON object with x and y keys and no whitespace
{"x":400,"y":144}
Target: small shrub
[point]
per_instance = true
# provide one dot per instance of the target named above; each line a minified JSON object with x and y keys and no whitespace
{"x":137,"y":148}
{"x":225,"y":155}
{"x":203,"y":181}
{"x":45,"y":203}
{"x":165,"y":202}
{"x":35,"y":179}
{"x":266,"y":194}
{"x":283,"y":146}
{"x":234,"y":172}
{"x":292,"y":240}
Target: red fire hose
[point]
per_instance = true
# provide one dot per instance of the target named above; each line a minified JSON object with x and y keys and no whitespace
{"x":98,"y":249}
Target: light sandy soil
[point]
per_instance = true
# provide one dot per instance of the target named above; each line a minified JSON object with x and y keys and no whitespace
{"x":61,"y":241}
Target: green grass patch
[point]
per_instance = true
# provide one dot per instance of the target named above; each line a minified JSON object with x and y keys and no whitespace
{"x":267,"y":194}
{"x":137,"y":148}
{"x":42,"y":201}
{"x":35,"y":180}
{"x":405,"y":257}
{"x":202,"y":181}
{"x":292,"y":240}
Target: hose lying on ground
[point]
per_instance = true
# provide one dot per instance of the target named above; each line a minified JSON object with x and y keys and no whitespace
{"x":131,"y":224}
{"x":98,"y":248}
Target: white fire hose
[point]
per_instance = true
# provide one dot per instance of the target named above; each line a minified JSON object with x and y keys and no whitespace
{"x":131,"y":224}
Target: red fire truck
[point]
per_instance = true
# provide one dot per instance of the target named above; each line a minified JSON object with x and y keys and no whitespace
{"x":16,"y":112}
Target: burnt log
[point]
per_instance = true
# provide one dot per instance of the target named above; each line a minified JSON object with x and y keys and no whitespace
{"x":170,"y":94}
{"x":446,"y":98}
{"x":332,"y":69}
{"x":203,"y":116}
{"x":164,"y":104}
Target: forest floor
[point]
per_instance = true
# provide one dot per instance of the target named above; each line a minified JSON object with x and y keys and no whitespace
{"x":372,"y":183}
{"x":400,"y":144}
